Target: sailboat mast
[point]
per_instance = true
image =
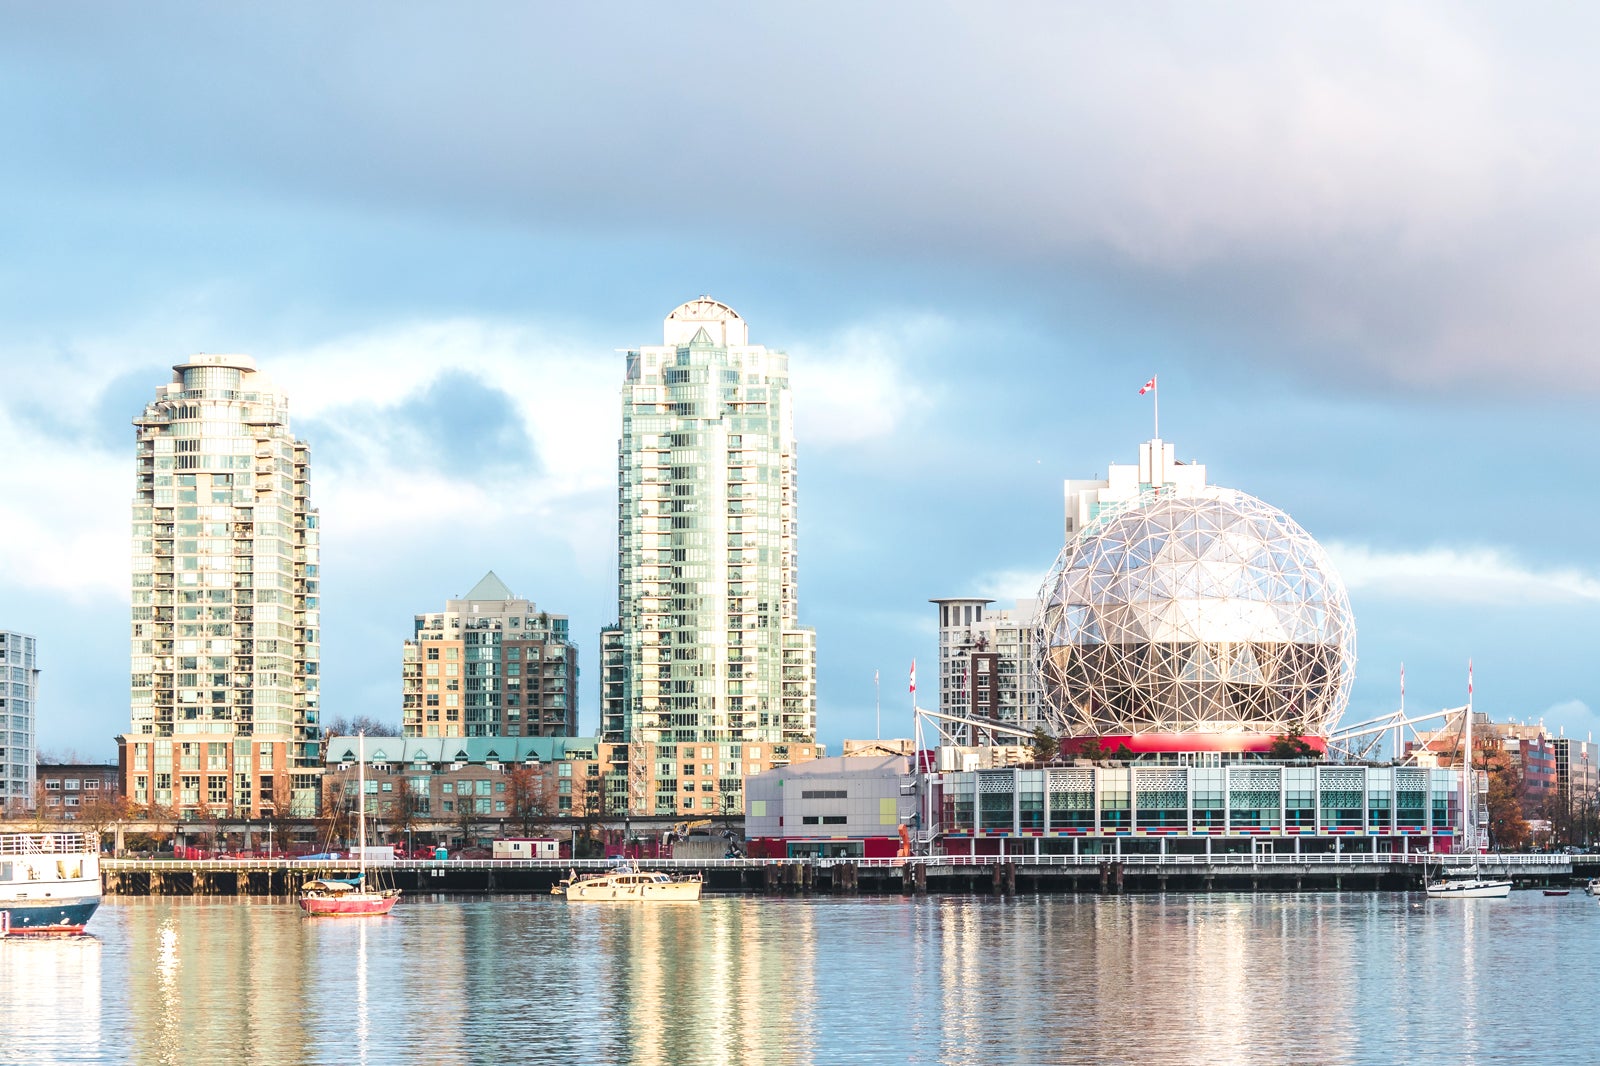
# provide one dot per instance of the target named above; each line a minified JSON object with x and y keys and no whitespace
{"x":1469,"y":791}
{"x":361,"y":803}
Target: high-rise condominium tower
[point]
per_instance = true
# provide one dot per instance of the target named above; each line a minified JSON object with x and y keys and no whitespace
{"x":19,"y":693}
{"x":490,"y":665}
{"x":708,"y":649}
{"x":225,"y":602}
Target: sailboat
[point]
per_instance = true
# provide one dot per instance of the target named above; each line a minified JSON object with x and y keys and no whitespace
{"x":350,"y":897}
{"x":1472,"y":885}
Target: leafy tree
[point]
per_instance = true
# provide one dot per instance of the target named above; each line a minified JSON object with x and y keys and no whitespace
{"x":1508,"y":828}
{"x":1091,"y":749}
{"x":1292,"y":745}
{"x":1043,"y":746}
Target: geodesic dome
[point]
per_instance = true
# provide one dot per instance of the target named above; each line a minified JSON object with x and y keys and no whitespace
{"x":1210,"y":613}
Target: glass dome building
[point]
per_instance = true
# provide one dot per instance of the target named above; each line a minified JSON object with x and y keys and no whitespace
{"x":1193,"y":619}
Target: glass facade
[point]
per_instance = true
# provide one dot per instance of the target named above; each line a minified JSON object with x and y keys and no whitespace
{"x":707,"y":647}
{"x":1260,"y":799}
{"x":490,"y":665}
{"x":226,"y":603}
{"x":19,"y":695}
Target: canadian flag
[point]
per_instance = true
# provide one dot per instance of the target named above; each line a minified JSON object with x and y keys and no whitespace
{"x":1149,"y":386}
{"x":1469,"y":679}
{"x":913,"y":675}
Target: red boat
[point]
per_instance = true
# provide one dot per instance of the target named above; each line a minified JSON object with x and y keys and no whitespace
{"x":332,"y":898}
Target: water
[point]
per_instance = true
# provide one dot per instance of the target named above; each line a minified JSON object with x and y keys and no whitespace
{"x":1152,"y":980}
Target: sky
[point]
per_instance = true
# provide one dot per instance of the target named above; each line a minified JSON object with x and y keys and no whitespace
{"x":1359,"y":245}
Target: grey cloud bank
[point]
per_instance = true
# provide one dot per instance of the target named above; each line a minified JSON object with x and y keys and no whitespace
{"x":1390,"y":195}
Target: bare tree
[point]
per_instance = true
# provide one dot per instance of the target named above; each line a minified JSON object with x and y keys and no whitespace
{"x":405,"y":810}
{"x":361,"y":723}
{"x":527,"y":799}
{"x":105,"y":811}
{"x":338,"y":807}
{"x":465,"y":821}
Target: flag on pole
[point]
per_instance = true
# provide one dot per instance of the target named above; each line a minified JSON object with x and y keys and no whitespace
{"x":1469,"y":680}
{"x":1402,"y":681}
{"x":913,"y":676}
{"x":1149,"y":386}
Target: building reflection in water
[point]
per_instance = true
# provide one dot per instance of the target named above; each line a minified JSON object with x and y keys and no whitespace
{"x":1144,"y":980}
{"x":50,"y":979}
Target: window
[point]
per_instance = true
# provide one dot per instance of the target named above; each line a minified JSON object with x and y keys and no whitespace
{"x":53,"y":785}
{"x":91,"y":785}
{"x":825,"y":794}
{"x":833,"y":819}
{"x":810,"y":819}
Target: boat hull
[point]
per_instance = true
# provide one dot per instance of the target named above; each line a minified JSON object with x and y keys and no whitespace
{"x":605,"y":890}
{"x":351,"y":905}
{"x":1474,"y":890}
{"x":46,"y":917}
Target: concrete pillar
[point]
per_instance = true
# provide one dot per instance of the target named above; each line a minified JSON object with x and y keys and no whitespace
{"x":116,"y":840}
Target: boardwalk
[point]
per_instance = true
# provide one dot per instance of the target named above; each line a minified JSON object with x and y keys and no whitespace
{"x":956,"y":873}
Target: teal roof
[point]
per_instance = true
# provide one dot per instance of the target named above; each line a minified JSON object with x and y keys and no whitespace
{"x":462,"y":749}
{"x":489,"y":588}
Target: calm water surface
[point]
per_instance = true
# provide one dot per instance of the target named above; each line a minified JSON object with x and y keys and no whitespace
{"x":1149,"y":980}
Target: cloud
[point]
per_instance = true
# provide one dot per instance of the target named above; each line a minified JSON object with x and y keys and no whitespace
{"x":859,"y":384}
{"x":1399,"y":198}
{"x":1458,"y":575}
{"x":1005,"y":586}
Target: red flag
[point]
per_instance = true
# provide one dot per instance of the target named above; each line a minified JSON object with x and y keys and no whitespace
{"x":913,"y":675}
{"x":1469,"y":679}
{"x":1149,"y":386}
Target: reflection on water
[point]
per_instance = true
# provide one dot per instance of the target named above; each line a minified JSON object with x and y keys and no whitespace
{"x":1146,"y":980}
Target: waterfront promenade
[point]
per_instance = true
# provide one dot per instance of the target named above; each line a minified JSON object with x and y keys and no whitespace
{"x":937,"y":874}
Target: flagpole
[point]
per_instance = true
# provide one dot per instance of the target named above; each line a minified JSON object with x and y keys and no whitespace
{"x":1402,"y":713}
{"x":877,"y":702}
{"x":1154,"y":379}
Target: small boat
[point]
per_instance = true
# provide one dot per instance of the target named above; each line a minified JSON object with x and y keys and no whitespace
{"x":629,"y":885}
{"x":1593,"y":887}
{"x":49,"y":882}
{"x":338,"y":897}
{"x":352,"y":897}
{"x":1556,"y":891}
{"x":1469,"y":887}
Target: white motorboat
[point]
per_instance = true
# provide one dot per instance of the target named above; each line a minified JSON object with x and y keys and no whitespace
{"x":628,"y":885}
{"x":1593,"y":887}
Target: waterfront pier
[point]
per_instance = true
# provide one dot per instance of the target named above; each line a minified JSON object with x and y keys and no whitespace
{"x":964,"y":874}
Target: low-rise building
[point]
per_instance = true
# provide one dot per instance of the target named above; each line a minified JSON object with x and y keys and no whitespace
{"x":512,"y":778}
{"x":842,"y":807}
{"x":855,"y":807}
{"x":67,"y":789}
